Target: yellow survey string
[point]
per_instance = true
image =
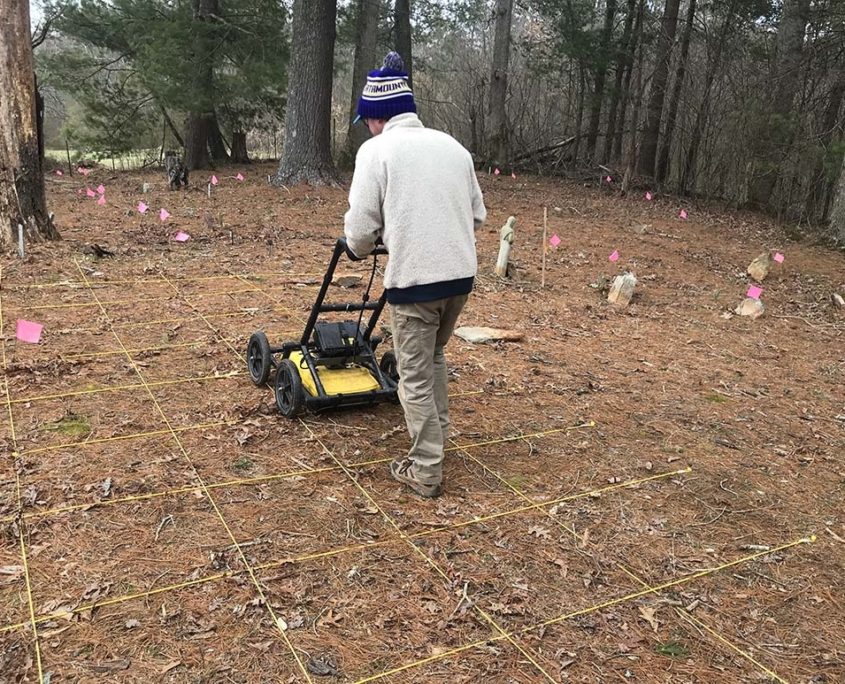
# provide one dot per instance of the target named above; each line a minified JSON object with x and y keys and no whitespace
{"x":132,"y":302}
{"x":18,"y":500}
{"x":430,"y":561}
{"x":144,"y":281}
{"x":591,"y":609}
{"x":137,"y":350}
{"x":205,"y":489}
{"x":122,"y":438}
{"x":124,"y":388}
{"x":372,"y":545}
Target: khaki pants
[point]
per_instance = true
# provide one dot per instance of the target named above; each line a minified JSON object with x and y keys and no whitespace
{"x":420,"y":331}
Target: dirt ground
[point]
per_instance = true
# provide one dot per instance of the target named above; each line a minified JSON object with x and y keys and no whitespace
{"x":648,"y":495}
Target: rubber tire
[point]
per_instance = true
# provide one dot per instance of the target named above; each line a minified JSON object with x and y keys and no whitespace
{"x":259,"y":360}
{"x":290,"y":397}
{"x":389,"y":367}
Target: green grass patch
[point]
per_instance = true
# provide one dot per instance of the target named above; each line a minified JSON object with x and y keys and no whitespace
{"x":672,"y":649}
{"x":71,"y":425}
{"x":243,"y":464}
{"x":716,"y":398}
{"x":517,"y":481}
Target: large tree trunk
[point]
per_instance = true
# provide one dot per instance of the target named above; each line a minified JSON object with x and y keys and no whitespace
{"x":240,"y":155}
{"x":22,"y":199}
{"x":616,"y":95}
{"x":404,"y":42}
{"x":775,"y":133}
{"x":599,"y":79}
{"x":499,"y":138}
{"x":201,"y":121}
{"x":654,"y":113}
{"x":366,"y":33}
{"x":307,"y":154}
{"x":216,"y":143}
{"x":680,"y":74}
{"x":579,"y":116}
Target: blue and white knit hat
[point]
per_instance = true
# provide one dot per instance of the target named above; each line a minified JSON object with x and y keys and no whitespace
{"x":387,"y":92}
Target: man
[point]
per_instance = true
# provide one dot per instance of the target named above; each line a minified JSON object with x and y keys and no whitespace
{"x":415,"y":188}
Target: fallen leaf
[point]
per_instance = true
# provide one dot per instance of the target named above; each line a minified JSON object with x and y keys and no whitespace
{"x":539,"y":532}
{"x":132,"y":624}
{"x":648,"y":615}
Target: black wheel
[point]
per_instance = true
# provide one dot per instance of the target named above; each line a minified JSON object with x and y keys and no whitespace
{"x":290,"y":397}
{"x":388,"y":366}
{"x":258,"y":358}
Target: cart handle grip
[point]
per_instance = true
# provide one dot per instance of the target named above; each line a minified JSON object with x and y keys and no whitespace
{"x":380,"y":249}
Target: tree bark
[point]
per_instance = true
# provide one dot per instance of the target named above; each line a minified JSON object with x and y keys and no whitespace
{"x":654,"y":112}
{"x":822,"y":180}
{"x":307,"y":155}
{"x":201,"y":120}
{"x":366,"y":33}
{"x":616,"y":95}
{"x":499,"y":137}
{"x":216,"y":143}
{"x":599,"y":78}
{"x":775,"y":132}
{"x":404,"y":41}
{"x":680,"y":75}
{"x":22,"y":198}
{"x":631,"y":155}
{"x":240,"y":154}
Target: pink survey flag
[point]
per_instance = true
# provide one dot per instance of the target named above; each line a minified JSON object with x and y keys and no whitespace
{"x":102,"y":200}
{"x":609,"y":179}
{"x":513,"y":175}
{"x":239,"y":177}
{"x":496,"y":172}
{"x":614,"y":256}
{"x":83,"y":170}
{"x":649,"y":196}
{"x":90,"y":192}
{"x":779,"y":257}
{"x":142,"y":208}
{"x":181,"y":237}
{"x":101,"y":189}
{"x":754,"y":292}
{"x":554,"y":241}
{"x":164,"y":214}
{"x":28,"y":331}
{"x":683,"y":215}
{"x":214,"y":180}
{"x":59,"y":172}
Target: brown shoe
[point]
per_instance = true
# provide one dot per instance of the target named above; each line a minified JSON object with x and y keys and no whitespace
{"x":400,"y":472}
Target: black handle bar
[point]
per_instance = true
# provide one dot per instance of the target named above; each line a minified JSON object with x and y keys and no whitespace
{"x":380,"y":249}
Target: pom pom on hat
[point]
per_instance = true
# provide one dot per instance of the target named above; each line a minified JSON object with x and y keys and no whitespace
{"x":394,"y":62}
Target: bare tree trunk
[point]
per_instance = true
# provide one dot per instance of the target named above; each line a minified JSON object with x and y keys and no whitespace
{"x":775,"y":130}
{"x":654,"y":113}
{"x":307,"y":154}
{"x":240,"y":155}
{"x":636,"y":38}
{"x":201,"y":122}
{"x":822,"y":180}
{"x":599,"y":78}
{"x":216,"y":142}
{"x":22,"y":197}
{"x":680,"y":74}
{"x":631,"y":155}
{"x":499,"y":137}
{"x":366,"y":33}
{"x":616,"y":96}
{"x":404,"y":41}
{"x":579,"y":117}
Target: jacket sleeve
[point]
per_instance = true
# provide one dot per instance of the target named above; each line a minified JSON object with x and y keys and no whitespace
{"x":479,"y":211}
{"x":364,"y":222}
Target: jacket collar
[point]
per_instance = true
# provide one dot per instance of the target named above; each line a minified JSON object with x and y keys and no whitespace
{"x":407,"y":120}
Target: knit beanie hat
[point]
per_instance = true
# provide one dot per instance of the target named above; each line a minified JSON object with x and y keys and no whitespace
{"x":387,"y":92}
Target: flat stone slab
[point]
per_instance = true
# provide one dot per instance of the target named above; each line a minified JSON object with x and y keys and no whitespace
{"x":482,"y":335}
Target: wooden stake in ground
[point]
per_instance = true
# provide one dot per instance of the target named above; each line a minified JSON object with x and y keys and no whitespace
{"x":545,"y":232}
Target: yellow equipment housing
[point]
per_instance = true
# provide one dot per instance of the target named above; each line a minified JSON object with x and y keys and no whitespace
{"x":347,"y":380}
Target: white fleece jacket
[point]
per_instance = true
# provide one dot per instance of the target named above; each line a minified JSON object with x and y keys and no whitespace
{"x":415,"y":187}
